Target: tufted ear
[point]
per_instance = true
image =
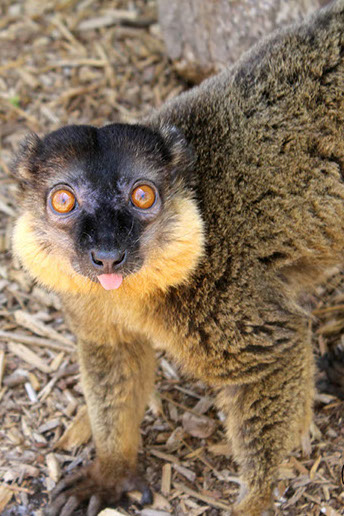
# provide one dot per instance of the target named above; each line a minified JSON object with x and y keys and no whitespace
{"x":181,"y":153}
{"x":25,"y":162}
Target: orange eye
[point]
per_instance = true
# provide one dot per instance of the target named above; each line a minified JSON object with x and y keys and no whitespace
{"x":143,"y":197}
{"x":63,"y":201}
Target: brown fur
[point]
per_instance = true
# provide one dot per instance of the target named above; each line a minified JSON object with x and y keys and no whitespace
{"x":222,"y":296}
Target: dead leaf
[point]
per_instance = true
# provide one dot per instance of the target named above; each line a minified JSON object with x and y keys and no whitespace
{"x":5,"y":497}
{"x":198,"y":426}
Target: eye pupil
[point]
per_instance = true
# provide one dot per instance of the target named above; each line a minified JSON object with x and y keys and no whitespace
{"x":63,"y":201}
{"x":64,"y":198}
{"x":143,"y":197}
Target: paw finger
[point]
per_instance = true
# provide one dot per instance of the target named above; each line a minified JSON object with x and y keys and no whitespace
{"x":54,"y":508}
{"x":94,"y":506}
{"x":70,"y":506}
{"x":65,"y":483}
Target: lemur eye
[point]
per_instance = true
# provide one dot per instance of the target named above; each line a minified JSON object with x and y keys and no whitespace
{"x":63,"y":201}
{"x":143,"y":197}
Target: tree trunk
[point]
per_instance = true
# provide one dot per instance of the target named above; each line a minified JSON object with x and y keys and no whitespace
{"x":203,"y":36}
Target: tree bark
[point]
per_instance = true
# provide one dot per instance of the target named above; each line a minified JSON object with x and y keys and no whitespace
{"x":204,"y":36}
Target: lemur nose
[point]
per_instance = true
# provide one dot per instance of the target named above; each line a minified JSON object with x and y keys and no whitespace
{"x":107,"y":262}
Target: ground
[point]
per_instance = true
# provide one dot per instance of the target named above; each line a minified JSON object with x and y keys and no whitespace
{"x":86,"y":61}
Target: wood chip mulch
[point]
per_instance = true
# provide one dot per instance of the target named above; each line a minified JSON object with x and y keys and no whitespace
{"x":87,"y":61}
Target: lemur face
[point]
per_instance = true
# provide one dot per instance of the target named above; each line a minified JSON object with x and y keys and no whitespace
{"x":103,"y":200}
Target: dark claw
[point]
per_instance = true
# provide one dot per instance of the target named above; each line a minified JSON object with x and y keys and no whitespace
{"x":147,"y":496}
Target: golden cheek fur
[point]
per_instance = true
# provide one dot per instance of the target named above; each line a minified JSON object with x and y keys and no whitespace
{"x":165,"y":266}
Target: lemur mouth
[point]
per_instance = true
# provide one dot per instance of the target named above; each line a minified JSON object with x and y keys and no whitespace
{"x":110,"y":281}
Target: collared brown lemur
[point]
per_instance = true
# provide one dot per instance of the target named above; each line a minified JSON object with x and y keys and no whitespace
{"x":199,"y":231}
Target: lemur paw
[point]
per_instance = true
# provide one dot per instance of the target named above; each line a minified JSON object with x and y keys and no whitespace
{"x":90,"y":487}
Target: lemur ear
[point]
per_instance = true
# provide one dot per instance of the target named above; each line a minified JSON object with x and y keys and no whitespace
{"x":181,"y":152}
{"x":25,"y":163}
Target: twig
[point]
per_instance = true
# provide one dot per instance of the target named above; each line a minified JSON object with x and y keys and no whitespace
{"x":34,"y":341}
{"x":204,"y":498}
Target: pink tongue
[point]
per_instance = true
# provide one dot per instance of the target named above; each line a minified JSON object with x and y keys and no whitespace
{"x":110,"y":281}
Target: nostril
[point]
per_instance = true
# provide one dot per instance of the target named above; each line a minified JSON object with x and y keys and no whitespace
{"x":95,"y":261}
{"x":120,"y":260}
{"x":107,"y":261}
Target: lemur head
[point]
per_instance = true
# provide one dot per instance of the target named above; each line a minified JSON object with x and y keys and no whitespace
{"x":107,"y":207}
